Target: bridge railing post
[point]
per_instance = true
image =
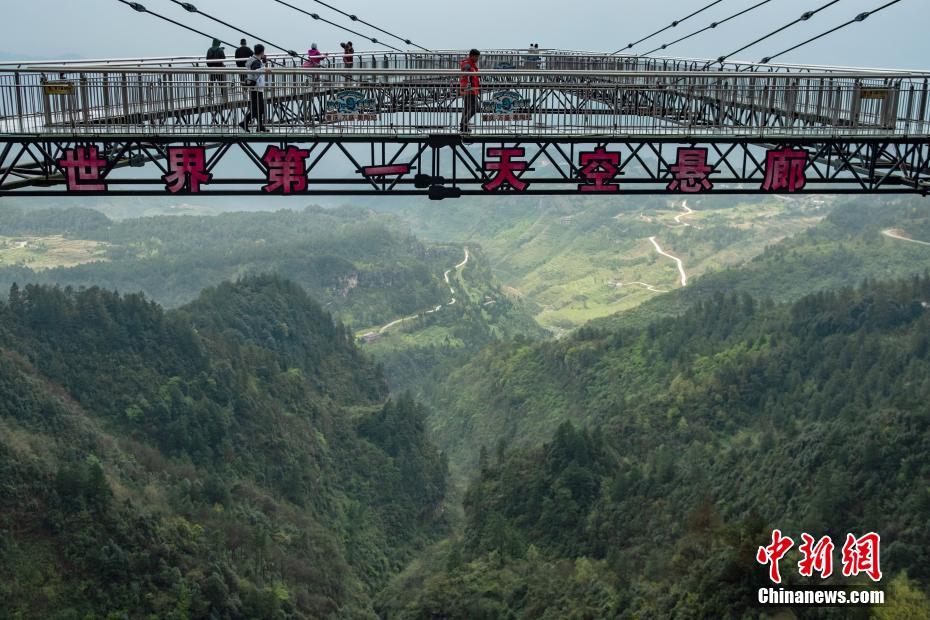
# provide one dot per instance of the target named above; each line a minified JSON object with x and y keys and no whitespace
{"x":167,"y":103}
{"x":909,"y":117}
{"x":856,"y":105}
{"x":105,"y":85}
{"x":18,"y":87}
{"x":271,"y":106}
{"x":923,"y":125}
{"x":891,"y":106}
{"x":836,"y":100}
{"x":140,"y":98}
{"x":85,"y":104}
{"x":818,"y":109}
{"x":124,"y":95}
{"x":198,"y":95}
{"x":46,"y":103}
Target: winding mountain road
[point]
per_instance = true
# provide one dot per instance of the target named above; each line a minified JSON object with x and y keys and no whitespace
{"x":681,"y":266}
{"x":688,"y":211}
{"x":649,"y":287}
{"x":894,"y":233}
{"x":445,"y":276}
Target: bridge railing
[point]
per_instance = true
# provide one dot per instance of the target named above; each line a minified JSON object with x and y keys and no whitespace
{"x":529,"y":59}
{"x":413,"y":100}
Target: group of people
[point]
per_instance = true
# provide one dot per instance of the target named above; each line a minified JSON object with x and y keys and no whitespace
{"x":216,"y":56}
{"x":315,"y":57}
{"x":254,"y":81}
{"x":257,"y":64}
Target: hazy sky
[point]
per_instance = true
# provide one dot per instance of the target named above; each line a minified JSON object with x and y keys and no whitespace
{"x":897,"y":37}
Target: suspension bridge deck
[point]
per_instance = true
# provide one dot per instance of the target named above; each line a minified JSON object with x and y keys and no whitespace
{"x":863,"y":130}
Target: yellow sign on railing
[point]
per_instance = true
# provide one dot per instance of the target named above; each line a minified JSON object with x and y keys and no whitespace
{"x":874,"y":93}
{"x":58,"y":87}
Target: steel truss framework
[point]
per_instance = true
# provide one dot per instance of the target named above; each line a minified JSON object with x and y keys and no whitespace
{"x":446,"y":166}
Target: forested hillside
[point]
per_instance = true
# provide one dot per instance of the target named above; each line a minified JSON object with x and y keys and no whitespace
{"x":366,"y":268}
{"x":237,"y":457}
{"x":634,"y":472}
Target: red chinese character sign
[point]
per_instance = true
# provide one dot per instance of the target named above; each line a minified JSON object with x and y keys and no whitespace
{"x":773,"y":553}
{"x":785,"y":170}
{"x":597,"y":168}
{"x":506,"y":169}
{"x":861,"y":555}
{"x":388,"y":170}
{"x":187,"y":167}
{"x":287,"y":169}
{"x":84,"y":169}
{"x":816,"y":557}
{"x":690,"y":172}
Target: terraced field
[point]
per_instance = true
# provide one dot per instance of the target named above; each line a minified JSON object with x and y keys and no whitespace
{"x":40,"y":253}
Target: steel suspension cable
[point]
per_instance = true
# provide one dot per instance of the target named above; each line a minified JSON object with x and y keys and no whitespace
{"x":803,"y":18}
{"x":710,"y":27}
{"x":326,"y":21}
{"x":861,"y":17}
{"x":141,"y":9}
{"x":190,"y":8}
{"x":672,"y":25}
{"x":355,"y":18}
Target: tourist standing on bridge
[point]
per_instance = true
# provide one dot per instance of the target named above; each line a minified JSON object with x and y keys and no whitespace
{"x":314,"y":57}
{"x":243,"y":53}
{"x":348,"y":55}
{"x":469,"y":88}
{"x":215,"y":55}
{"x":255,"y":83}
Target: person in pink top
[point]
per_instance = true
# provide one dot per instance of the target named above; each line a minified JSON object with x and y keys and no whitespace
{"x":314,"y":58}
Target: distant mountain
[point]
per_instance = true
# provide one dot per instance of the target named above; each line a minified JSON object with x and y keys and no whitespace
{"x":851,"y":245}
{"x":576,"y":260}
{"x":367,"y":268}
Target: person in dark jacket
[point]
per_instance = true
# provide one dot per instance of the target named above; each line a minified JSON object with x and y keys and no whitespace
{"x":243,"y":53}
{"x":215,"y":55}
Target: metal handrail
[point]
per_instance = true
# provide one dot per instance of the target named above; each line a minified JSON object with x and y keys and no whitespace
{"x":543,"y":56}
{"x":90,"y":100}
{"x":510,"y":73}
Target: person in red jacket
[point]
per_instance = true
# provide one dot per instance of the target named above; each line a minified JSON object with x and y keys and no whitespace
{"x":470,"y":88}
{"x":348,"y":55}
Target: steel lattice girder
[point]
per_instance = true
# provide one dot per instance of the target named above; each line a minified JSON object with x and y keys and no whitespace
{"x":442,"y":166}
